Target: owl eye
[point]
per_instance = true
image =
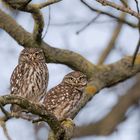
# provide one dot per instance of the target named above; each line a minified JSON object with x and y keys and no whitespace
{"x":37,"y":53}
{"x":70,"y":78}
{"x":81,"y":78}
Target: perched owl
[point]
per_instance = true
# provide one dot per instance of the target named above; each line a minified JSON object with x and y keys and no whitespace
{"x":30,"y":77}
{"x":64,"y":98}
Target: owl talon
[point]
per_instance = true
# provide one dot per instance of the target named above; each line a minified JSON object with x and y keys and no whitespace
{"x":68,"y":122}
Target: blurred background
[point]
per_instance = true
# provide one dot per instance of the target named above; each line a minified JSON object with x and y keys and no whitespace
{"x":73,"y":26}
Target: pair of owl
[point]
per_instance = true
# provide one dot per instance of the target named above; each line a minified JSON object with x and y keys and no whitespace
{"x":30,"y":80}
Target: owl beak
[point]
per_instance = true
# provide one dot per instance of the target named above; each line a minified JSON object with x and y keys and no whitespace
{"x":31,"y":58}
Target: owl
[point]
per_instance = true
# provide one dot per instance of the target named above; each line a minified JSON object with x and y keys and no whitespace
{"x":63,"y":99}
{"x":30,"y":77}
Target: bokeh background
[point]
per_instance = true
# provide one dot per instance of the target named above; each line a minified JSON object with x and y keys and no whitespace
{"x":67,"y":19}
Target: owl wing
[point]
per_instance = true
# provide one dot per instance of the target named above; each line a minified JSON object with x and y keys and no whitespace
{"x":16,"y":79}
{"x":56,"y":96}
{"x":62,"y":100}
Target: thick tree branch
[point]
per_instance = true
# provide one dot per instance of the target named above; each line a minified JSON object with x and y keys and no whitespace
{"x":34,"y":9}
{"x":36,"y":109}
{"x":53,"y":55}
{"x":106,"y":76}
{"x":108,"y":124}
{"x":100,"y":76}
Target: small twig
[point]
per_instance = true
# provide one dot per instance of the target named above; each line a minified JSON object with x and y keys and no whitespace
{"x":89,"y":23}
{"x":119,"y":7}
{"x":49,"y":21}
{"x":138,"y":44}
{"x":124,"y":3}
{"x":109,"y":14}
{"x":45,"y":4}
{"x":3,"y":125}
{"x":3,"y":120}
{"x":6,"y":113}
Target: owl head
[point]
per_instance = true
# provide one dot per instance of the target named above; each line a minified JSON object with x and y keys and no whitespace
{"x":75,"y":78}
{"x":31,"y":55}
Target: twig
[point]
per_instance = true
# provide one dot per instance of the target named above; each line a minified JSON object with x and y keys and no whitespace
{"x":114,"y":117}
{"x":45,"y":4}
{"x":90,"y":22}
{"x":49,"y":21}
{"x":7,"y":114}
{"x":119,"y":7}
{"x":3,"y":121}
{"x":138,"y":44}
{"x":3,"y":125}
{"x":124,"y":3}
{"x":110,"y":15}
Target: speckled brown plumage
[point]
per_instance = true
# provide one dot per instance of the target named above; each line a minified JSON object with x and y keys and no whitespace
{"x":63,"y":99}
{"x":30,"y":77}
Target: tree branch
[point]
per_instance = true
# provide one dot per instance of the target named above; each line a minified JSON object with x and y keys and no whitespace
{"x":106,"y":76}
{"x":53,"y":55}
{"x":109,"y":123}
{"x":119,"y":7}
{"x":119,"y":19}
{"x":34,"y":9}
{"x":45,"y":4}
{"x":36,"y":109}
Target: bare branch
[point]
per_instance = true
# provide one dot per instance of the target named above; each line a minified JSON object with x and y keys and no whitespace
{"x":92,"y":21}
{"x":113,"y":118}
{"x":119,"y":7}
{"x":138,"y":44}
{"x":36,"y":109}
{"x":53,"y":55}
{"x":49,"y":21}
{"x":45,"y":4}
{"x":110,"y":15}
{"x":124,"y":3}
{"x":3,"y":125}
{"x":23,"y":5}
{"x":106,"y":76}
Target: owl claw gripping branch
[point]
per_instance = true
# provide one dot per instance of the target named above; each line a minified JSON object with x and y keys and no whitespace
{"x":30,"y":77}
